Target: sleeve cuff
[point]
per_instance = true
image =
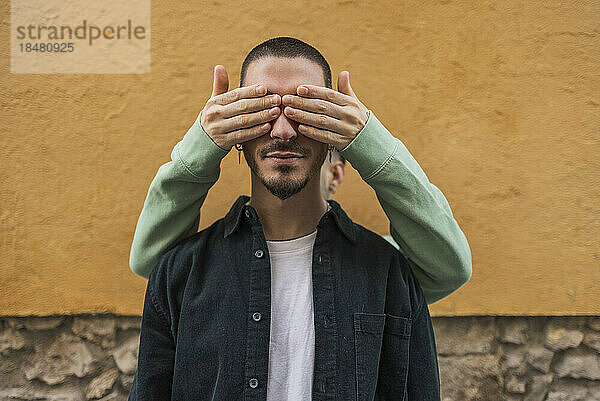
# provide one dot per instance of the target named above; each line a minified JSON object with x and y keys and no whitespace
{"x":200,"y":155}
{"x":371,"y":149}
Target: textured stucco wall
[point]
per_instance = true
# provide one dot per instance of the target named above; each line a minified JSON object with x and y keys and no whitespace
{"x":498,"y":101}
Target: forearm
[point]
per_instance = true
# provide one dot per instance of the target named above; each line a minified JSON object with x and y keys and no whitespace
{"x":421,"y":221}
{"x":171,"y":210}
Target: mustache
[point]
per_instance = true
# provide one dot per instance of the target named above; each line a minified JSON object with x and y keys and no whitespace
{"x":284,"y":147}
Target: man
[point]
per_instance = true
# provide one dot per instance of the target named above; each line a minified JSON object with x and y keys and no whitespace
{"x":286,"y":297}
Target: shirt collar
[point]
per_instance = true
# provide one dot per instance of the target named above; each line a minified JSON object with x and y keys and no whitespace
{"x":239,"y":208}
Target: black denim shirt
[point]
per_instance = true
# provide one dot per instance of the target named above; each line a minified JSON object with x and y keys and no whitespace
{"x":206,"y":318}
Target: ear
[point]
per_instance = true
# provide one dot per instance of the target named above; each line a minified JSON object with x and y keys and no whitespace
{"x":338,"y":171}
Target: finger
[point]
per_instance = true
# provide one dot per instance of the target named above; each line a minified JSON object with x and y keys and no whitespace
{"x":245,"y":92}
{"x":317,"y":120}
{"x":315,"y":105}
{"x":247,"y":134}
{"x":243,"y":106}
{"x":344,"y":84}
{"x":220,"y":81}
{"x":317,"y":134}
{"x":247,"y":120}
{"x":321,"y":92}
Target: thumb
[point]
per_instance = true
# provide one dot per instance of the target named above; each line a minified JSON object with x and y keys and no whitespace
{"x":221,"y":81}
{"x":344,"y":84}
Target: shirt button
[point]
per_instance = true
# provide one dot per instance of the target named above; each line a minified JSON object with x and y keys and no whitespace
{"x":247,"y":213}
{"x":256,"y":316}
{"x":258,"y":253}
{"x":253,"y":383}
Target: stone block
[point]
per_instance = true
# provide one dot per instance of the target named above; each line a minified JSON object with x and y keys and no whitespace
{"x":540,"y":358}
{"x":471,"y":377}
{"x":516,"y":385}
{"x":36,"y":322}
{"x":464,"y":335}
{"x":126,"y":354}
{"x":129,"y":322}
{"x":102,"y":384}
{"x":579,"y":364}
{"x":513,"y":330}
{"x":592,"y":340}
{"x":65,"y":356}
{"x":558,"y":337}
{"x":101,"y":329}
{"x":574,"y":391}
{"x":539,"y":387}
{"x":514,"y":358}
{"x":126,"y":381}
{"x":594,"y":322}
{"x":11,"y":339}
{"x":114,"y":396}
{"x":58,"y":393}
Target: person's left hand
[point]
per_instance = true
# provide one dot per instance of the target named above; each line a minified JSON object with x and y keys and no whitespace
{"x":325,"y":115}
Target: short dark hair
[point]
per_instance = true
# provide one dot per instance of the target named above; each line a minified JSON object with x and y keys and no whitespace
{"x":288,"y":47}
{"x":342,"y":158}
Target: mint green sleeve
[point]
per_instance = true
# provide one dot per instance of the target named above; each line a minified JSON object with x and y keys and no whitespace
{"x":171,"y":210}
{"x":421,"y":221}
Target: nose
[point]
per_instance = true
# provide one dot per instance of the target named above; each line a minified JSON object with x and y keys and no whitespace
{"x":283,"y":127}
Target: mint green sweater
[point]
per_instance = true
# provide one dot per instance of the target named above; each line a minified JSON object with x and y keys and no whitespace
{"x":421,"y":221}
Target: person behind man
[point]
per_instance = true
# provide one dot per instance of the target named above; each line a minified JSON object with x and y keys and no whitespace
{"x":286,"y":297}
{"x":332,"y":175}
{"x":438,"y":251}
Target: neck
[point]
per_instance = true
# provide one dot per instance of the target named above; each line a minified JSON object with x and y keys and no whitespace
{"x":294,"y":217}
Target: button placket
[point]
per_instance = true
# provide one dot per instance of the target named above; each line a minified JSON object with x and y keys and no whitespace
{"x":257,"y":344}
{"x":323,"y":299}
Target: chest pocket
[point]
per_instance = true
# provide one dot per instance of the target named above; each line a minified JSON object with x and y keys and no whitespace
{"x":381,"y":343}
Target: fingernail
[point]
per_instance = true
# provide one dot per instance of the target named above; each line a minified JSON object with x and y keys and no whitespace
{"x":260,"y":89}
{"x":274,"y":111}
{"x":302,"y":90}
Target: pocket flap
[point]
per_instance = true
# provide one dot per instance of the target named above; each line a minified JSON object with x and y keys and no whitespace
{"x":397,"y":325}
{"x":369,"y":322}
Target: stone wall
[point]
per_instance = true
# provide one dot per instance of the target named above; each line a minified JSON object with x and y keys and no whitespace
{"x":93,"y":357}
{"x":519,"y":358}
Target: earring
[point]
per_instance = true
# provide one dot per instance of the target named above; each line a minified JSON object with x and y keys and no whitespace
{"x":239,"y":147}
{"x":330,"y":147}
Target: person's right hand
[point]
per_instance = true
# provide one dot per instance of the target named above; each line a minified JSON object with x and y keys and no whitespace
{"x":239,"y":115}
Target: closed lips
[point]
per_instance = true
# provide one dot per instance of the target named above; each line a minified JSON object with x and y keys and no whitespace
{"x":284,"y":155}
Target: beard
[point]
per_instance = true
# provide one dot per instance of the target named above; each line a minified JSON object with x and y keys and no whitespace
{"x":284,"y":184}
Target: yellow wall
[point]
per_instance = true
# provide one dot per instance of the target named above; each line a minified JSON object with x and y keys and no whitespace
{"x":499,"y":103}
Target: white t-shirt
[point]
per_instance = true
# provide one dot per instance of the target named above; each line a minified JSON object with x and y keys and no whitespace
{"x":292,"y":340}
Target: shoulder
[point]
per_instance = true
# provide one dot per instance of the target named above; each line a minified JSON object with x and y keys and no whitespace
{"x":168,"y":277}
{"x":373,"y":243}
